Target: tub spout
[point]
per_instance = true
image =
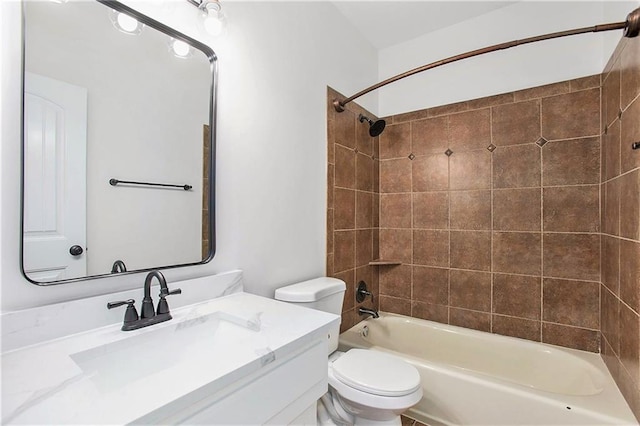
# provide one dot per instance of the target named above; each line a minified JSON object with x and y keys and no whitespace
{"x":372,"y":312}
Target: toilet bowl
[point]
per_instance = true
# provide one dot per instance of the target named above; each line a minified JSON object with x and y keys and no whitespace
{"x":365,"y":386}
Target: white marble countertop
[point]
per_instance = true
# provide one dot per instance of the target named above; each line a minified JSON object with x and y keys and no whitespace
{"x":108,"y":376}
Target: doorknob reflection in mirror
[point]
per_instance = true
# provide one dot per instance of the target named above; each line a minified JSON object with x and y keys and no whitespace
{"x":76,"y":250}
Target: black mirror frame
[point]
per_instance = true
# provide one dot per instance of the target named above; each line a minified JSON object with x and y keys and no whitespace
{"x":213,"y":61}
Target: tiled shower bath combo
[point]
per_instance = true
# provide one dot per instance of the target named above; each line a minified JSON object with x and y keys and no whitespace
{"x":516,"y":214}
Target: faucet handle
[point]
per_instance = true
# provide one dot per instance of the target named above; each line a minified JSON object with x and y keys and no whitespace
{"x":362,"y":292}
{"x":166,"y":292}
{"x":163,"y":306}
{"x":131,"y":314}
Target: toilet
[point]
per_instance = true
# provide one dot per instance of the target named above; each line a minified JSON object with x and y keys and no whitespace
{"x":366,"y":387}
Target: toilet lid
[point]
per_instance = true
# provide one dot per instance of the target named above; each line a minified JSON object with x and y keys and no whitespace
{"x":376,"y":373}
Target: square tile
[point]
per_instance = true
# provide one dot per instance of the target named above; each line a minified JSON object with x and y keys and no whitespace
{"x":630,"y":342}
{"x":470,"y":170}
{"x":345,"y":168}
{"x":470,"y":319}
{"x":571,"y":115}
{"x":395,"y":175}
{"x":430,"y":285}
{"x":364,"y":210}
{"x":470,"y":210}
{"x":430,"y":173}
{"x":344,"y":209}
{"x":516,"y":166}
{"x":431,"y":210}
{"x":611,"y":211}
{"x":517,"y":252}
{"x":611,"y":152}
{"x":395,"y":141}
{"x":630,"y":273}
{"x":575,"y":256}
{"x":470,"y":290}
{"x":396,"y":281}
{"x":630,"y":205}
{"x":516,"y":327}
{"x":516,"y":209}
{"x":364,"y":247}
{"x":517,"y":296}
{"x":345,"y":129}
{"x":395,"y":210}
{"x":430,"y":311}
{"x":610,"y":261}
{"x":344,"y":250}
{"x":364,"y":172}
{"x":570,"y":337}
{"x":514,"y":124}
{"x":571,"y":162}
{"x":395,"y":305}
{"x":431,"y":248}
{"x":571,"y":302}
{"x":630,"y":133}
{"x":395,"y":244}
{"x":430,"y":136}
{"x":471,"y":250}
{"x":572,"y":208}
{"x":470,"y":130}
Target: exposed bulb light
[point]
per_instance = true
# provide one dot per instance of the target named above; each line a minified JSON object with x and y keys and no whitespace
{"x":180,"y":49}
{"x":125,"y":23}
{"x":213,"y":20}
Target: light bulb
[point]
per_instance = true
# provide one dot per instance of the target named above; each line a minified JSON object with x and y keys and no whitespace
{"x":127,"y":23}
{"x":214,"y":21}
{"x":180,"y":48}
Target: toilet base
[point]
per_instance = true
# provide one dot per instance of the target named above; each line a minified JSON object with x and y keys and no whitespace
{"x":331,"y":411}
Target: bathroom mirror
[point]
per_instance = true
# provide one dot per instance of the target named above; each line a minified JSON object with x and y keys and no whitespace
{"x":116,"y":106}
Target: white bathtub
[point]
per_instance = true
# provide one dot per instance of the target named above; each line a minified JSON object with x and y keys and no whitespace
{"x":474,"y":378}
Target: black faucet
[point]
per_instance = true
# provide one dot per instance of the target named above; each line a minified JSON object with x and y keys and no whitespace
{"x":372,"y":312}
{"x":118,"y":266}
{"x":149,"y":316}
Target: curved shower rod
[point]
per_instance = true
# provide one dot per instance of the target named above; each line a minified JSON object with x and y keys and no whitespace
{"x":631,"y":29}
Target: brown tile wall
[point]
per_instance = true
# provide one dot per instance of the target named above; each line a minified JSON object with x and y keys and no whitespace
{"x":620,"y":189}
{"x":529,"y":228}
{"x":352,"y":205}
{"x":502,"y":234}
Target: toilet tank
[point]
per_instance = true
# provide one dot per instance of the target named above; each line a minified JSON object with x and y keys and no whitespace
{"x":324,"y":294}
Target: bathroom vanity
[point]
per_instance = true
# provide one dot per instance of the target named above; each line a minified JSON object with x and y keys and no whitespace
{"x":234,"y":359}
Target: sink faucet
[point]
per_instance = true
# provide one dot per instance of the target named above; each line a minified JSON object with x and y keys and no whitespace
{"x":147,"y":310}
{"x":372,"y":312}
{"x":148,"y":315}
{"x":118,"y":266}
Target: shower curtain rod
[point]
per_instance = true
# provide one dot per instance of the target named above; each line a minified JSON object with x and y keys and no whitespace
{"x":631,"y":29}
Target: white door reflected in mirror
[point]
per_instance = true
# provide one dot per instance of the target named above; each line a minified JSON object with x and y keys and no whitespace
{"x":55,"y":135}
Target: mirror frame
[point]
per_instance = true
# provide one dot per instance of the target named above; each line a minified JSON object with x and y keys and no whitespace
{"x":213,"y":65}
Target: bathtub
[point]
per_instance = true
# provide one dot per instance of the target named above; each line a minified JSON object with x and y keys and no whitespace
{"x":474,"y":378}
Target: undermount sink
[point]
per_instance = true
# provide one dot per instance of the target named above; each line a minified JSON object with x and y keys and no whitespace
{"x":114,"y":365}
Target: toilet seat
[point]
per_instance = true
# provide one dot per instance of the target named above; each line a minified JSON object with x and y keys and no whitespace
{"x":406,"y":398}
{"x":376,"y":373}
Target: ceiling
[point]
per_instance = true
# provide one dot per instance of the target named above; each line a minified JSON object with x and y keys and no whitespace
{"x":386,"y":23}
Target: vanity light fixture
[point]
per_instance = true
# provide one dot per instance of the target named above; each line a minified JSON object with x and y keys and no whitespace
{"x":179,"y":48}
{"x":125,"y":23}
{"x":214,"y":20}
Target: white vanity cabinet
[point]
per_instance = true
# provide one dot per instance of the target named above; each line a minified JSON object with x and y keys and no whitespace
{"x":237,"y":359}
{"x":279,"y":395}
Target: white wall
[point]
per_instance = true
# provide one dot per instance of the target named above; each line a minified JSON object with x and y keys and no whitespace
{"x":504,"y":71}
{"x":275,"y":64}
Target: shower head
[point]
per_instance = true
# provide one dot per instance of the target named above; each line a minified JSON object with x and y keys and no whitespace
{"x":375,"y":127}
